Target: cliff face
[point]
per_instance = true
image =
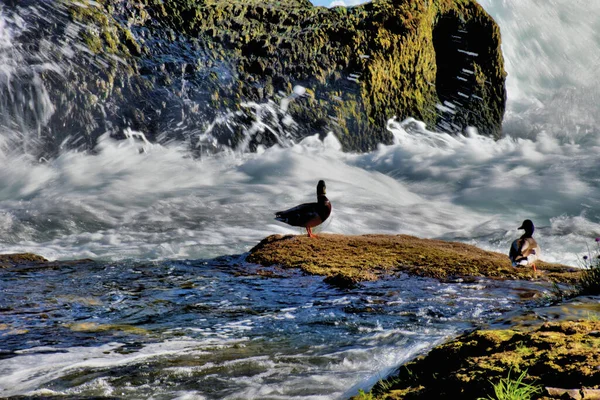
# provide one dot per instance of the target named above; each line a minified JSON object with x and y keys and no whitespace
{"x":436,"y":60}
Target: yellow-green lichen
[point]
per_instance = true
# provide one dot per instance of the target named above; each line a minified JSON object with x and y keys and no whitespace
{"x":555,"y":355}
{"x":368,"y":256}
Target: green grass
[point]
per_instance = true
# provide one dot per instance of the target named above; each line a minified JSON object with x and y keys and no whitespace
{"x":364,"y":396}
{"x":514,"y":389}
{"x":592,"y":317}
{"x":589,"y":284}
{"x":523,"y":350}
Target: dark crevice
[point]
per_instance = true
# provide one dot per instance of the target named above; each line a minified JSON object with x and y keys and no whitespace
{"x":462,"y":51}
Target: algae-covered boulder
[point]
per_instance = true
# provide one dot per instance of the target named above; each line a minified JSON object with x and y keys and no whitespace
{"x":559,"y":359}
{"x":199,"y":70}
{"x":438,"y":61}
{"x":350,"y":259}
{"x":11,"y":260}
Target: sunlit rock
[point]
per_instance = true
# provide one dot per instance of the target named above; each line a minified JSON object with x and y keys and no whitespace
{"x":184,"y":70}
{"x":345,"y":260}
{"x":557,"y":359}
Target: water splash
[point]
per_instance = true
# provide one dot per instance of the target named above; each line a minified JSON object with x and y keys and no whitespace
{"x":135,"y":200}
{"x":551,"y":50}
{"x":25,"y":105}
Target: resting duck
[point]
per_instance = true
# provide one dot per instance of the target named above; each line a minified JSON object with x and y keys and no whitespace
{"x":308,"y":215}
{"x":525,"y":250}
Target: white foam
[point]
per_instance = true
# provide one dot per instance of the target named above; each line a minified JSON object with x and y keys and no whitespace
{"x":133,"y":199}
{"x":160,"y":203}
{"x":551,"y":55}
{"x":32,"y":370}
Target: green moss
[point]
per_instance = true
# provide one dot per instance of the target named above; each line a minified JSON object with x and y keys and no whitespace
{"x":294,"y":42}
{"x":102,"y":32}
{"x":390,"y":50}
{"x":563,"y":355}
{"x":361,"y":258}
{"x":95,"y":327}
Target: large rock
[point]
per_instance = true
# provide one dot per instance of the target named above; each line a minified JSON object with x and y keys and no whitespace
{"x":346,"y":259}
{"x":171,"y":68}
{"x":363,"y":64}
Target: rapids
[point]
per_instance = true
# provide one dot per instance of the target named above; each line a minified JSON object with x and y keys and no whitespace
{"x":220,"y":329}
{"x":135,"y":200}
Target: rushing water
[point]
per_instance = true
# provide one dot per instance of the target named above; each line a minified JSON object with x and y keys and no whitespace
{"x":158,"y":316}
{"x":222,"y":329}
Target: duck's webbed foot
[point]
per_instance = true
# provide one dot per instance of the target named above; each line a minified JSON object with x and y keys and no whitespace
{"x":310,"y":234}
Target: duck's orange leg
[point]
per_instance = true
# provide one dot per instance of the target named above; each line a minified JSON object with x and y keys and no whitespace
{"x":309,"y":231}
{"x":534,"y":268}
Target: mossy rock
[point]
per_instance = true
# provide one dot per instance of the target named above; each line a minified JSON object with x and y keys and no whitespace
{"x":439,"y":61}
{"x":30,"y":262}
{"x":11,"y":260}
{"x":351,"y":259}
{"x":364,"y":64}
{"x":557,"y":357}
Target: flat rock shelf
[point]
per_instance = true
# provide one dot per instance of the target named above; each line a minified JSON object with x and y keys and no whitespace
{"x":347,"y":260}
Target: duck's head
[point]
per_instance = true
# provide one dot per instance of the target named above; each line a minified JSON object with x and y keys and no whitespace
{"x":527,"y":225}
{"x":321,"y":188}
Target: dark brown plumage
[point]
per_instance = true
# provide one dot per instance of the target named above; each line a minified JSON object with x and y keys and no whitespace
{"x":308,"y":215}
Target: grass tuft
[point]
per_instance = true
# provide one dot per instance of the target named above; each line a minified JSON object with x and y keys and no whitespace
{"x":363,"y":396}
{"x":514,"y":389}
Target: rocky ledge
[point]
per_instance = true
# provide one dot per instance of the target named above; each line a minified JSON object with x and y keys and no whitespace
{"x":559,"y":360}
{"x":350,"y":259}
{"x":30,"y":261}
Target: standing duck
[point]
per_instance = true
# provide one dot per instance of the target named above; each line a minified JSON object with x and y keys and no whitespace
{"x":308,"y":215}
{"x":525,"y":250}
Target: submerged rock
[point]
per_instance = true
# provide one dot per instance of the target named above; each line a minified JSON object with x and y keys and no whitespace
{"x":173,"y":69}
{"x":12,"y":260}
{"x":30,"y":261}
{"x":352,"y":259}
{"x":560,"y":359}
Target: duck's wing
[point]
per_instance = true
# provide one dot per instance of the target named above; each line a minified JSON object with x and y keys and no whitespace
{"x":524,"y":251}
{"x":515,"y":250}
{"x":530,"y":248}
{"x":299,"y":215}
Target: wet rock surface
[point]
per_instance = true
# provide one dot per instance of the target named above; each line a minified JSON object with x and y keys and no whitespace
{"x":173,"y":69}
{"x":29,"y":261}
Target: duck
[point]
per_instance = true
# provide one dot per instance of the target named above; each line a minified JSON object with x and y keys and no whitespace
{"x":525,"y":250}
{"x":308,"y":215}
